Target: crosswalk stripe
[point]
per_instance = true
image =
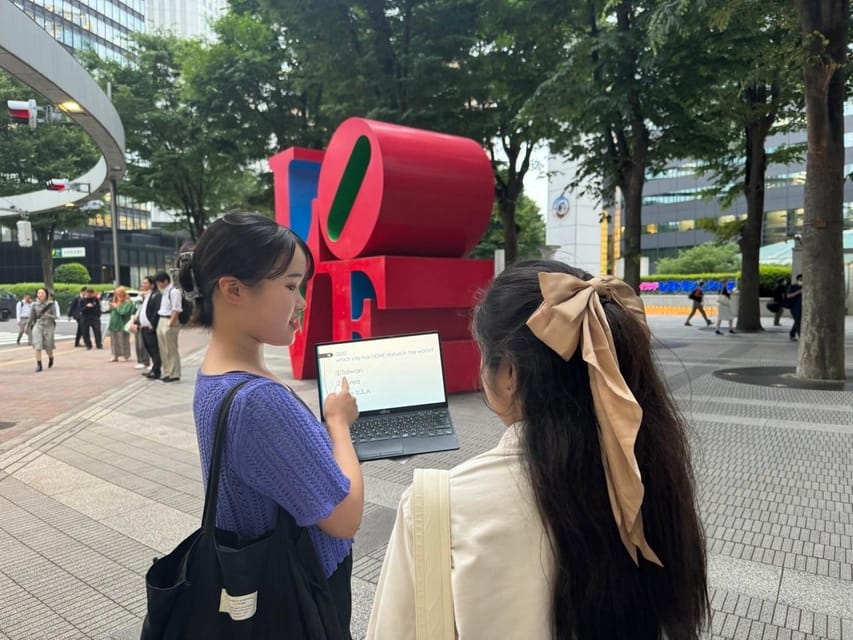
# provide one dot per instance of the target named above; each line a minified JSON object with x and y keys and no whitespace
{"x":7,"y":338}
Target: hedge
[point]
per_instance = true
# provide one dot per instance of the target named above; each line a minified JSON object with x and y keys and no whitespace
{"x":769,"y":276}
{"x":71,"y":272}
{"x":64,"y":292}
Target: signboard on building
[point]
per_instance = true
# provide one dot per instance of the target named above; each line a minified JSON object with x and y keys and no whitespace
{"x":69,"y":252}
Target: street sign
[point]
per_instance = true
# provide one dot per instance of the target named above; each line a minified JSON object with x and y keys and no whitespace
{"x":70,"y":252}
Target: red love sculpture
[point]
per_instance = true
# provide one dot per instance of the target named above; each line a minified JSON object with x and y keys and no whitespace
{"x":388,"y":212}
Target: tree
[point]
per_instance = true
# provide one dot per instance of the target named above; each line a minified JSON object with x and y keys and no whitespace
{"x":464,"y":67}
{"x":531,"y":232}
{"x":704,"y":258}
{"x":30,"y":157}
{"x":254,"y":85}
{"x":758,"y":93}
{"x":824,"y":25}
{"x":45,"y":226}
{"x":178,"y":158}
{"x":625,"y":100}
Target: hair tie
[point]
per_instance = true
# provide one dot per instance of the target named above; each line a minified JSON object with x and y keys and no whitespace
{"x":187,"y":257}
{"x":571,"y":314}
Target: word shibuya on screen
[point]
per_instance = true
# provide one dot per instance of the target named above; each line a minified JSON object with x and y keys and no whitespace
{"x":384,"y":373}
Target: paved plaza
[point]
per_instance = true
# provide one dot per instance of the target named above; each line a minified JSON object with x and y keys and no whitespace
{"x":91,"y":491}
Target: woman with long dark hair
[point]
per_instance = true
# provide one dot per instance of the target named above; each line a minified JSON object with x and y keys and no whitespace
{"x":582,"y":522}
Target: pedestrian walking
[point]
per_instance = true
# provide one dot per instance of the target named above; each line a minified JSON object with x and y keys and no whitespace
{"x":582,"y":522}
{"x":780,"y":301}
{"x":121,"y":310}
{"x":697,"y":296}
{"x":795,"y":304}
{"x":22,"y":317}
{"x":43,"y":328}
{"x":724,"y":309}
{"x":245,"y":276}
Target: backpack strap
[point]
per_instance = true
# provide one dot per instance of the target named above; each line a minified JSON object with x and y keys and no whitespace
{"x":431,"y":519}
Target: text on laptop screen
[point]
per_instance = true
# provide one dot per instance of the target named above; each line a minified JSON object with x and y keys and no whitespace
{"x":384,"y":373}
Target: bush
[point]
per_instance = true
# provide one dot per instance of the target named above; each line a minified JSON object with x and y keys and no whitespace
{"x":64,"y":292}
{"x":71,"y":272}
{"x":710,"y":256}
{"x":768,"y":274}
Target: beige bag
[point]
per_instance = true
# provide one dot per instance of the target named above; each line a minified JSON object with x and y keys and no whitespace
{"x":431,"y":516}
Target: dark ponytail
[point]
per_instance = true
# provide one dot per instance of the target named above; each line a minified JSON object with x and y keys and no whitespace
{"x":598,"y":592}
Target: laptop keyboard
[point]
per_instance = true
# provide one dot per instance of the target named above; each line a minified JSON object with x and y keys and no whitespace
{"x":424,"y":424}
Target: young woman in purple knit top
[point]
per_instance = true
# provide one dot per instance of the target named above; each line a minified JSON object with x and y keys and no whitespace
{"x":245,"y":274}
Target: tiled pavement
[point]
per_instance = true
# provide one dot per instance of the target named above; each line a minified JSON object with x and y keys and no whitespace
{"x":89,"y":496}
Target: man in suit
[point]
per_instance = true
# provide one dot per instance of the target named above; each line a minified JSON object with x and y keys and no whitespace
{"x":148,"y":319}
{"x":75,"y":312}
{"x":90,"y":312}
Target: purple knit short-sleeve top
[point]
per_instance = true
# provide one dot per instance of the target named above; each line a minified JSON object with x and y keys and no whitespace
{"x":276,"y":453}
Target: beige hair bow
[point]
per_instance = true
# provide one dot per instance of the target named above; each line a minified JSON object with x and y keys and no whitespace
{"x":571,"y":314}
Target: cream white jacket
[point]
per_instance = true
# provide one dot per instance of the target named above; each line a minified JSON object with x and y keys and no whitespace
{"x":501,"y":562}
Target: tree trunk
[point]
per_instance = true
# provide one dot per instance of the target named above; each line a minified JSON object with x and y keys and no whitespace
{"x":507,"y":206}
{"x":45,"y":242}
{"x":749,"y":306}
{"x":632,"y":190}
{"x":824,"y":24}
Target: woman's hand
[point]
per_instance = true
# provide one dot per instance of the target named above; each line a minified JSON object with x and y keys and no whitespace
{"x":341,"y":407}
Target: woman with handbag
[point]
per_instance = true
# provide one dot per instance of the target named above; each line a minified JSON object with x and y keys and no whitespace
{"x":121,"y":310}
{"x":42,"y":324}
{"x":582,"y":522}
{"x":724,"y":309}
{"x":245,"y":277}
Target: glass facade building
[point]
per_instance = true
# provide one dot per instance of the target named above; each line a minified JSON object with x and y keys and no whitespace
{"x":100,"y":25}
{"x":104,"y":26}
{"x":678,"y":197}
{"x":184,"y":18}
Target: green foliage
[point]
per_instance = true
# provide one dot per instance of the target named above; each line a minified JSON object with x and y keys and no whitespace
{"x":704,"y":257}
{"x":758,"y":93}
{"x":531,"y":235}
{"x":179,"y":157}
{"x":71,"y":272}
{"x":769,"y":274}
{"x":64,"y":293}
{"x":725,"y":231}
{"x":463,"y":67}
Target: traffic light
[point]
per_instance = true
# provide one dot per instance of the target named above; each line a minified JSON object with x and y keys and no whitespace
{"x":57,"y":184}
{"x":23,"y":112}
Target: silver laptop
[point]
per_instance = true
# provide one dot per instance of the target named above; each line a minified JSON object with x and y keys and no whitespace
{"x":399,"y":384}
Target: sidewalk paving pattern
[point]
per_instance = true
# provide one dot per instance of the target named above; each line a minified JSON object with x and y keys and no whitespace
{"x":96,"y":490}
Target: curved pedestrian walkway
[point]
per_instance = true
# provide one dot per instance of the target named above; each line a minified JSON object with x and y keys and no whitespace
{"x":87,"y":502}
{"x":35,"y":58}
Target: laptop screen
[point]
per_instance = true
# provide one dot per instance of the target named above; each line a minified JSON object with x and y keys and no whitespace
{"x":384,"y":373}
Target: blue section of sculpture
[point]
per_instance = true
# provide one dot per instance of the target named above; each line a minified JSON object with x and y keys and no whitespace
{"x":303,"y":177}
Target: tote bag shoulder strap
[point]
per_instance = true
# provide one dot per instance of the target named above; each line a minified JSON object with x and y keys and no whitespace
{"x":208,"y":520}
{"x":431,"y":520}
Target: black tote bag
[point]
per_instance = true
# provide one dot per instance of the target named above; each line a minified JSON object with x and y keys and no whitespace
{"x":211,"y":586}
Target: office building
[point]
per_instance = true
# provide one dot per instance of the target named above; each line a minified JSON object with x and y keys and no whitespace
{"x":675,"y":199}
{"x":101,"y":25}
{"x":184,"y":18}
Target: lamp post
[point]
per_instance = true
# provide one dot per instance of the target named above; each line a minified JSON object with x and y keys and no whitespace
{"x":114,"y":220}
